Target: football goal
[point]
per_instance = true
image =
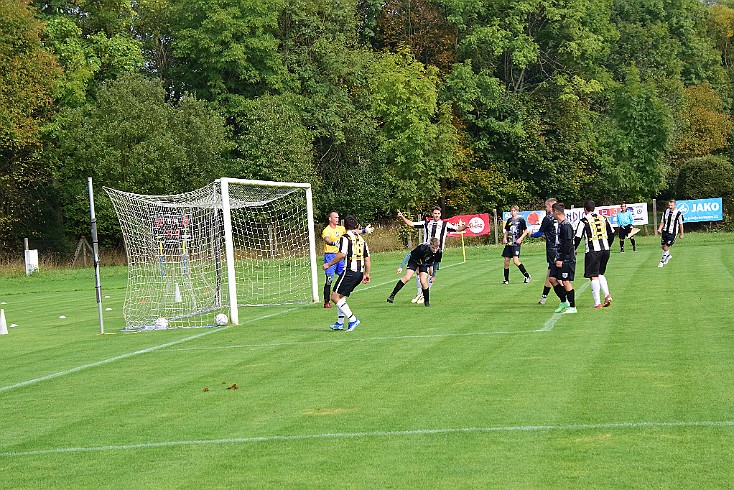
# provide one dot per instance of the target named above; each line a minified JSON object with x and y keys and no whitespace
{"x":233,"y":243}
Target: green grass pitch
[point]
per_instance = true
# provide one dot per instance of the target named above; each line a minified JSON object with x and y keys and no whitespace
{"x":484,"y":389}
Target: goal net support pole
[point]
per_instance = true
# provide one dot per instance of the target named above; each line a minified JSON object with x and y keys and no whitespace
{"x":95,"y":252}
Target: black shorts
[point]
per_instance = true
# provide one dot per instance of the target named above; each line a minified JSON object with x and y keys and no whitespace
{"x":348,"y":280}
{"x":595,"y":263}
{"x":511,"y":251}
{"x":566,"y":272}
{"x":667,"y":239}
{"x":414,"y":266}
{"x":624,"y":231}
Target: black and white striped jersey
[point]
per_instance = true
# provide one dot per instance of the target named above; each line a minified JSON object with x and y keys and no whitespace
{"x":437,"y":229}
{"x":355,"y":249}
{"x":597,"y":230}
{"x":672,"y":219}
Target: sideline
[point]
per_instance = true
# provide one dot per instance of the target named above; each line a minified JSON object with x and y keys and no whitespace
{"x":355,"y":435}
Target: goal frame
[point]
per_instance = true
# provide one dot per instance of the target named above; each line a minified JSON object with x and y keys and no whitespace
{"x":224,"y":183}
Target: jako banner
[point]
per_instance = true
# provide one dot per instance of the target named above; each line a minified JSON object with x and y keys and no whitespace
{"x":698,"y":210}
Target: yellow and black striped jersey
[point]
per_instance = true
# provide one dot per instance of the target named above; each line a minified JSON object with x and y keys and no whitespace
{"x":355,"y":249}
{"x":597,"y":230}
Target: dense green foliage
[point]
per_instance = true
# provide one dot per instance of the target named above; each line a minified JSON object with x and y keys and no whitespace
{"x":380,"y":105}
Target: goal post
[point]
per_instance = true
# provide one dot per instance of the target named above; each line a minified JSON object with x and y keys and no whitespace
{"x":225,"y":183}
{"x":232,"y":243}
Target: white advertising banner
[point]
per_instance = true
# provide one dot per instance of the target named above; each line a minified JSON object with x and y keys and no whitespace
{"x":574,"y":215}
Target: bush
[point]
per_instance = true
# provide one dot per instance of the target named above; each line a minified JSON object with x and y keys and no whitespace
{"x":706,"y":177}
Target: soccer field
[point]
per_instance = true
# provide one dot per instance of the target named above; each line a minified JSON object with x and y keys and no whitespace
{"x":484,"y":389}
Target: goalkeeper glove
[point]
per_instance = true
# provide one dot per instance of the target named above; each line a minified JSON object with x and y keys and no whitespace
{"x":368,"y":229}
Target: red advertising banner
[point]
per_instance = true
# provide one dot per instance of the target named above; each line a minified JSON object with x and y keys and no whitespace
{"x":478,"y":224}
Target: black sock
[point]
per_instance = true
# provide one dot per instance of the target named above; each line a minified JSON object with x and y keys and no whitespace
{"x":621,"y":245}
{"x":546,"y":290}
{"x":522,"y":269}
{"x":560,"y":292}
{"x":507,"y":274}
{"x":571,"y":295}
{"x":327,"y":292}
{"x":397,"y":288}
{"x":634,"y":247}
{"x":425,"y":295}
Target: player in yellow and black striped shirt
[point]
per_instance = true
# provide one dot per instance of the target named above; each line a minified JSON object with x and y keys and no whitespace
{"x":599,"y":237}
{"x":354,"y":250}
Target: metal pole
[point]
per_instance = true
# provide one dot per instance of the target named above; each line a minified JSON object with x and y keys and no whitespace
{"x":95,"y":251}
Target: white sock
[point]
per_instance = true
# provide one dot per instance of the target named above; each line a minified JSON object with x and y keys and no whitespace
{"x":344,"y":308}
{"x":340,"y":315}
{"x":604,"y":285}
{"x":595,"y":291}
{"x":418,"y":287}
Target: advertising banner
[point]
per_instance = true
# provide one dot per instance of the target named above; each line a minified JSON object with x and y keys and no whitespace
{"x":698,"y":210}
{"x":478,"y":224}
{"x":574,"y":215}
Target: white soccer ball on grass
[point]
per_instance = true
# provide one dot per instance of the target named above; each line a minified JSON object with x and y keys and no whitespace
{"x":161,"y":323}
{"x":221,"y":319}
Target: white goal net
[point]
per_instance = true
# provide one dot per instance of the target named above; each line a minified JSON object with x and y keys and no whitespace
{"x":233,"y":243}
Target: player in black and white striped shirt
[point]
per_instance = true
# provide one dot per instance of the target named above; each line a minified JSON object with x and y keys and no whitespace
{"x":671,"y":224}
{"x":433,"y":228}
{"x":599,"y":236}
{"x":353,"y":248}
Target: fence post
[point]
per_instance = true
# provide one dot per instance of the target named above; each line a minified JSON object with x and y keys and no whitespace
{"x":496,"y":236}
{"x":655,"y":216}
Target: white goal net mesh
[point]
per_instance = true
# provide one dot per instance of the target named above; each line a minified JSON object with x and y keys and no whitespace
{"x":178,"y":273}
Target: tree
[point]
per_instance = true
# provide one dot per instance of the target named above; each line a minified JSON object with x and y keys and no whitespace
{"x":705,"y":126}
{"x":416,"y":137}
{"x":164,"y":149}
{"x":271,"y":142}
{"x":420,"y":27}
{"x":28,"y":73}
{"x":224,"y":47}
{"x":636,"y":133}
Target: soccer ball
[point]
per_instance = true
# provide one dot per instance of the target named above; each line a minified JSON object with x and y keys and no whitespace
{"x":221,"y":319}
{"x":161,"y":323}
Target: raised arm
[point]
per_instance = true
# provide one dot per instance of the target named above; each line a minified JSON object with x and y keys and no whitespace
{"x":406,"y":220}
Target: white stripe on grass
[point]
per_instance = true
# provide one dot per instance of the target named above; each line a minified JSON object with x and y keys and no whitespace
{"x":394,"y":433}
{"x":548,"y":326}
{"x":132,"y":354}
{"x":150,"y":349}
{"x":209,"y":332}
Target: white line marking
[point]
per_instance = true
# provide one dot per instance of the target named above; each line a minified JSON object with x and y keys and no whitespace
{"x":352,"y":435}
{"x":136,"y":353}
{"x":548,"y":326}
